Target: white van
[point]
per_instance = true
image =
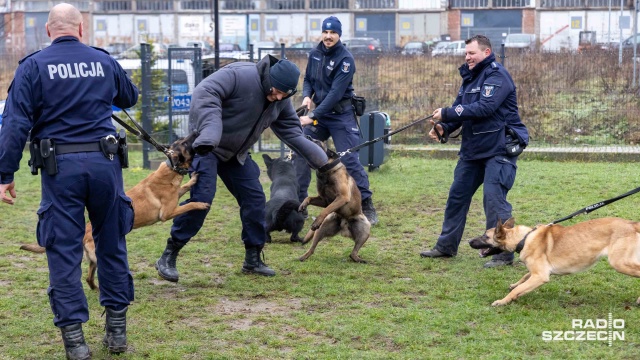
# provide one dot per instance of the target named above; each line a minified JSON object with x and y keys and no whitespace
{"x":182,"y":85}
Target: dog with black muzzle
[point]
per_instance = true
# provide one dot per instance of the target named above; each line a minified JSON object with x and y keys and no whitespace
{"x":557,"y":250}
{"x":340,"y":197}
{"x":281,"y":211}
{"x":154,"y":199}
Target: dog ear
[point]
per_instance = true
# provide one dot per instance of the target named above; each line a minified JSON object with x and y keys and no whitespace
{"x":499,"y":229}
{"x":267,"y":159}
{"x":510,"y":223}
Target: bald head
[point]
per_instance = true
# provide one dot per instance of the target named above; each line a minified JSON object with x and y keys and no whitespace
{"x":64,"y":20}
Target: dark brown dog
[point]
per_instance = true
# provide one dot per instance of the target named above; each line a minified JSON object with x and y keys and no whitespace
{"x":340,"y":197}
{"x":154,"y":199}
{"x":557,"y":250}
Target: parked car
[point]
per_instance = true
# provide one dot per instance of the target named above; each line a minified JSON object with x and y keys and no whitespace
{"x":520,"y":42}
{"x":206,"y":47}
{"x":627,"y":44}
{"x":305,"y":45}
{"x":159,"y":50}
{"x":364,"y":45}
{"x":454,"y":48}
{"x":438,"y":48}
{"x":415,"y":48}
{"x":262,"y":48}
{"x":115,"y":49}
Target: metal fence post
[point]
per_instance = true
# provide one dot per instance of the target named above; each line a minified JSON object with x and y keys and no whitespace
{"x":145,"y":67}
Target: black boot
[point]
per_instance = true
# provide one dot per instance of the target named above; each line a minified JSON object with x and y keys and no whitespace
{"x":166,"y":265}
{"x":74,"y":344}
{"x":115,"y":337}
{"x":369,"y":211}
{"x":254,"y":265}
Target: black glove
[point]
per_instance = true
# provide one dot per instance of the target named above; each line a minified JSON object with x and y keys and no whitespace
{"x":204,"y":149}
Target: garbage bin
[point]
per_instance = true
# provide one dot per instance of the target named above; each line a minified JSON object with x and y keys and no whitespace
{"x":372,"y":126}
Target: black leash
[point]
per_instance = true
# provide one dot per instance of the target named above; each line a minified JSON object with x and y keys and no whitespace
{"x":595,"y":206}
{"x":367,"y":143}
{"x":140,"y":133}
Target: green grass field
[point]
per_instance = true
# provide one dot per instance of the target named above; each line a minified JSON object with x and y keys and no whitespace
{"x":398,"y":306}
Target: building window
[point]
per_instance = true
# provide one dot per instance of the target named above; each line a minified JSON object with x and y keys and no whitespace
{"x":154,"y":5}
{"x":238,"y":5}
{"x":511,"y":3}
{"x":124,"y":5}
{"x":328,"y":4}
{"x":578,"y":3}
{"x":469,"y":3}
{"x":375,"y":4}
{"x":285,"y":4}
{"x":195,"y":5}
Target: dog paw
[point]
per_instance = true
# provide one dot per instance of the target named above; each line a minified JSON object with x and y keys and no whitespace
{"x":302,"y":207}
{"x":203,"y":205}
{"x":513,"y":286}
{"x":499,"y":303}
{"x":316,"y":225}
{"x":358,"y":259}
{"x":638,"y":301}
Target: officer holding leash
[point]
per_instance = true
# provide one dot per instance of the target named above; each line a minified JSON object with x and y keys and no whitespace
{"x":492,"y":138}
{"x":63,"y":96}
{"x":328,"y":84}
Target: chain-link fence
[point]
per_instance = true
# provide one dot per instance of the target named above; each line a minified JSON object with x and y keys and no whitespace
{"x":565,"y":98}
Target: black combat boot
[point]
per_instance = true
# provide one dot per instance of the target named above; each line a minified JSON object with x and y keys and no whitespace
{"x":166,"y":265}
{"x":74,"y":344}
{"x":369,"y":211}
{"x":254,"y":265}
{"x":115,"y":337}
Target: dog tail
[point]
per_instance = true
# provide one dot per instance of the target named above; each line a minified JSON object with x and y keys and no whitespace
{"x":35,"y":248}
{"x":290,"y":207}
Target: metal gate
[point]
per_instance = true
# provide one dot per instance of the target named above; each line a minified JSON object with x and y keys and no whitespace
{"x":166,"y":88}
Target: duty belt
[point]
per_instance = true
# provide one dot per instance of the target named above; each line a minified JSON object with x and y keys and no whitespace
{"x":342,"y":106}
{"x":76,"y":148}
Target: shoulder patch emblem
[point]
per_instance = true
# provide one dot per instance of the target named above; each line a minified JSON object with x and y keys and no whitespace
{"x":459,"y":109}
{"x":345,"y":67}
{"x":488,"y":90}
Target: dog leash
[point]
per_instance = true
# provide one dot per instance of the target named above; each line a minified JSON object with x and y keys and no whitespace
{"x":595,"y":206}
{"x":140,"y":133}
{"x":367,"y":143}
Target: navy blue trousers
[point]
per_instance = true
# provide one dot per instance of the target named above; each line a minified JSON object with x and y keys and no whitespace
{"x":244,"y":184}
{"x":91,"y":181}
{"x":344,"y":131}
{"x":497,"y":174}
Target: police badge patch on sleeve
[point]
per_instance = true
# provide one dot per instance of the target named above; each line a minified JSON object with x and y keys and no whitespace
{"x":345,"y":67}
{"x":459,"y":109}
{"x":488,"y":90}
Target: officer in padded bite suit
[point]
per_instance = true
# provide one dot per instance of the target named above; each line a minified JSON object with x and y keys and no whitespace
{"x":328,"y":84}
{"x":230,"y":109}
{"x":63,"y":95}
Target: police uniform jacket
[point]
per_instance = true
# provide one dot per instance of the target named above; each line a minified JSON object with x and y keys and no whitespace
{"x":64,"y":93}
{"x":229,"y":110}
{"x":328,"y":77}
{"x":485,"y":105}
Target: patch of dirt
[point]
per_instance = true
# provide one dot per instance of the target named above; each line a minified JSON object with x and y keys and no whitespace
{"x":251,"y":309}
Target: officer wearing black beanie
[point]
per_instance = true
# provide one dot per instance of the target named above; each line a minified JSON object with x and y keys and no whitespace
{"x":328,"y":86}
{"x":229,"y":110}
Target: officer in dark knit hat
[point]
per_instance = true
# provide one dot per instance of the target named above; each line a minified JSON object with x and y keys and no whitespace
{"x":229,"y":110}
{"x":328,"y":85}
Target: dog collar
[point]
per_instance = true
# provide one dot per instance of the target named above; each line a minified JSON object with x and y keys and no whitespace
{"x":520,"y":245}
{"x":328,"y":166}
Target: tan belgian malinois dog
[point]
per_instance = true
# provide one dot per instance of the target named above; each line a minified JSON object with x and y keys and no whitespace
{"x":154,"y":199}
{"x":340,"y":197}
{"x":557,"y":250}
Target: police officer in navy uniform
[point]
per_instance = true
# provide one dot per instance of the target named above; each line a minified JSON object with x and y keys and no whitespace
{"x":328,"y":85}
{"x":230,"y":109}
{"x":492,"y":136}
{"x":63,"y":95}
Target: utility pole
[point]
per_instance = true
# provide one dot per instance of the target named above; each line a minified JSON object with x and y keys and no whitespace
{"x":216,"y":33}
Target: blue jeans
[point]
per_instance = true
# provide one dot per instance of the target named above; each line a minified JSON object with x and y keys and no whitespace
{"x":497,"y":174}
